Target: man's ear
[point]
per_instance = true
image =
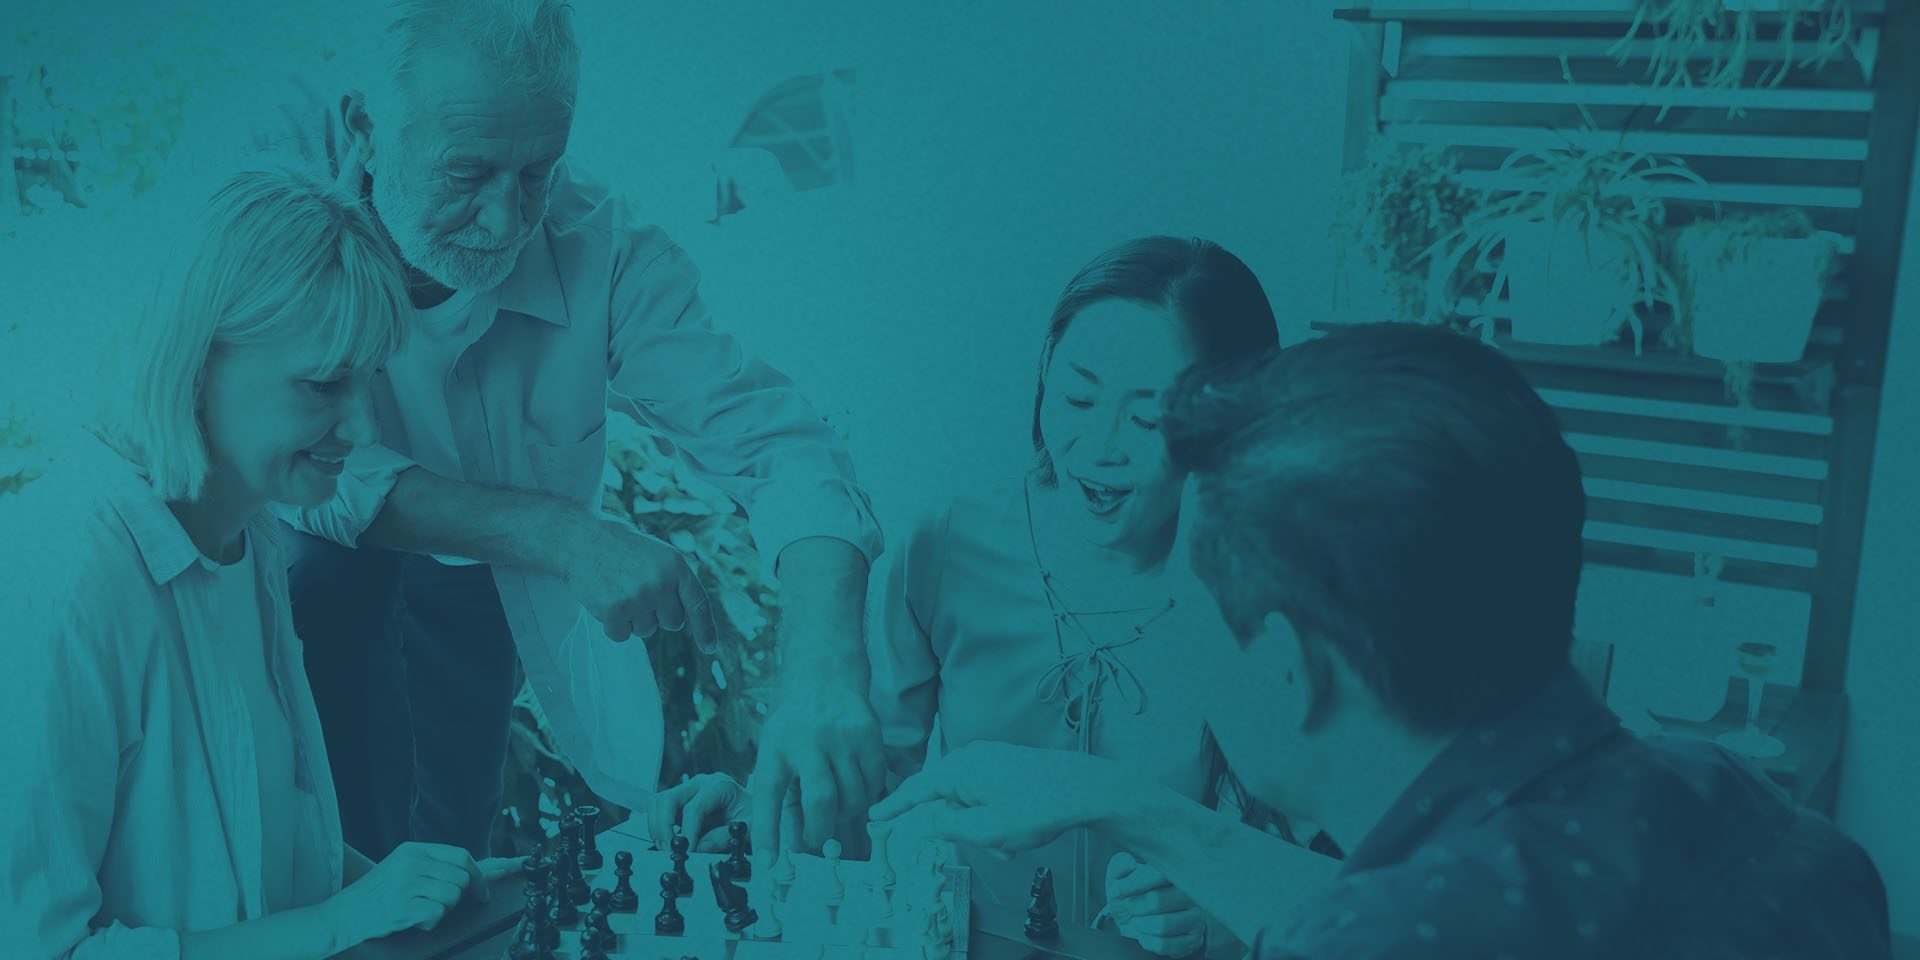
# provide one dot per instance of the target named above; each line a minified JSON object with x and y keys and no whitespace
{"x":357,"y":124}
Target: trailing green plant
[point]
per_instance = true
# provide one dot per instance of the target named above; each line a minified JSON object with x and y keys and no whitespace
{"x":1607,"y":195}
{"x":1716,"y":245}
{"x":1724,"y":35}
{"x":21,"y":461}
{"x":1712,"y":243}
{"x":1392,"y":210}
{"x":714,"y":705}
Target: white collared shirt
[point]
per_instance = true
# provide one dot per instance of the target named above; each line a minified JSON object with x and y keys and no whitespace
{"x":131,"y":809}
{"x":601,"y":311}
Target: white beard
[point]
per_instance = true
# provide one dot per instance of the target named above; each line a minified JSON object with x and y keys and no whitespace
{"x":470,"y":260}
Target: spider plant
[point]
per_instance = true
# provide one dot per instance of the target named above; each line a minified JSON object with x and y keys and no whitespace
{"x":1605,"y":200}
{"x":1724,"y":33}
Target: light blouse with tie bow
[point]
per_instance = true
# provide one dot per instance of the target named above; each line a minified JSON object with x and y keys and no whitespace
{"x":965,"y":630}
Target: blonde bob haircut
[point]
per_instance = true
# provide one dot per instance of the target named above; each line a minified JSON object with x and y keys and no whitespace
{"x":279,"y":256}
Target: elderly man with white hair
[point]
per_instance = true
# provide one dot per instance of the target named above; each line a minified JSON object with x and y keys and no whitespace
{"x":471,"y":534}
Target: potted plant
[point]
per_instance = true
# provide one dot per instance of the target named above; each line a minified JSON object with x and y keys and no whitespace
{"x":1751,"y":283}
{"x":1578,"y":232}
{"x":1392,"y":210}
{"x":1723,"y":33}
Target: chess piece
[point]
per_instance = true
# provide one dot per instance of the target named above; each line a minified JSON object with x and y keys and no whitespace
{"x":731,"y":898}
{"x":623,"y":899}
{"x":668,"y":922}
{"x":682,"y":879}
{"x":784,"y":872}
{"x":881,"y":834}
{"x":938,"y":943}
{"x":575,"y":888}
{"x":769,"y":927}
{"x":588,"y":817}
{"x":1042,"y":913}
{"x":557,"y":920}
{"x":602,"y":930}
{"x":527,"y":945}
{"x":739,"y":847}
{"x":836,"y":890}
{"x":602,"y":900}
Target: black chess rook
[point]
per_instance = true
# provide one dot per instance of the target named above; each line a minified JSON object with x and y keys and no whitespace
{"x":588,"y":817}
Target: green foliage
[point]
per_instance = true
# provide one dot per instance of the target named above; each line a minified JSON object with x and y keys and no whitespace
{"x":714,"y":705}
{"x":1392,"y":212}
{"x":102,"y":107}
{"x":1686,"y":32}
{"x":20,"y":460}
{"x":1607,"y":196}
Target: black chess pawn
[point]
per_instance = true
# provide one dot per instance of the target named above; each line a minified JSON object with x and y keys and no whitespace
{"x":683,"y":881}
{"x":668,"y":922}
{"x":731,"y":898}
{"x":528,"y":945}
{"x":602,"y":928}
{"x":1042,"y":913}
{"x":739,"y":848}
{"x":591,"y":946}
{"x":623,"y":899}
{"x":589,"y":817}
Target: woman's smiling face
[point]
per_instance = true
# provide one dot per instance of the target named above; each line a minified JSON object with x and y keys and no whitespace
{"x":1099,"y":420}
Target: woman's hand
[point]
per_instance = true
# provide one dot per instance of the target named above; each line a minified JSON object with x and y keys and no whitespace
{"x":702,"y":807}
{"x":413,"y":887}
{"x":1148,"y":908}
{"x":1007,"y":799}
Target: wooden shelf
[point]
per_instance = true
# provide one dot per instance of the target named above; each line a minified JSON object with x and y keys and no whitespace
{"x":1866,"y":13}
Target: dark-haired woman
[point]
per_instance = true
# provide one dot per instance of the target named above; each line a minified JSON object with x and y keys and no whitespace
{"x":1041,"y":611}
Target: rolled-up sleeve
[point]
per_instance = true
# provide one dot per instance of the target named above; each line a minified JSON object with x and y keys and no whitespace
{"x":741,"y":424}
{"x":905,"y":684}
{"x":57,"y":798}
{"x":362,"y":490}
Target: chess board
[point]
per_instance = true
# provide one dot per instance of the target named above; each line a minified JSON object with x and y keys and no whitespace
{"x":820,"y":918}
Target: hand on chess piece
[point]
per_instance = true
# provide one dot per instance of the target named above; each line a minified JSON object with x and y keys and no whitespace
{"x":414,"y":887}
{"x":821,"y":743}
{"x":701,"y":807}
{"x":1005,"y":798}
{"x":1149,"y":909}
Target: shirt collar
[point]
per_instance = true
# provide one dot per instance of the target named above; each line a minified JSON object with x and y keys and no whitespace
{"x":1485,"y":766}
{"x":163,"y":543}
{"x":533,"y":289}
{"x":165,"y":548}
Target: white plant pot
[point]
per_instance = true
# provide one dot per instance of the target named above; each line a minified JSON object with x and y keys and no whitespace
{"x":1561,"y":292}
{"x":1758,"y":308}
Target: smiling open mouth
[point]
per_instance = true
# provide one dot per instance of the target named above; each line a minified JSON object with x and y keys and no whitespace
{"x":1103,"y":499}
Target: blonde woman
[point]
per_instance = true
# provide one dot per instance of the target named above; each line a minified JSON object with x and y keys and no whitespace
{"x":164,"y":789}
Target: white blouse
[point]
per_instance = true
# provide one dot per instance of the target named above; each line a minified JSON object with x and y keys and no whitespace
{"x":135,"y":804}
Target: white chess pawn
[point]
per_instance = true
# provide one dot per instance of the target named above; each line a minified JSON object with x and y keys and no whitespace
{"x":836,"y":890}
